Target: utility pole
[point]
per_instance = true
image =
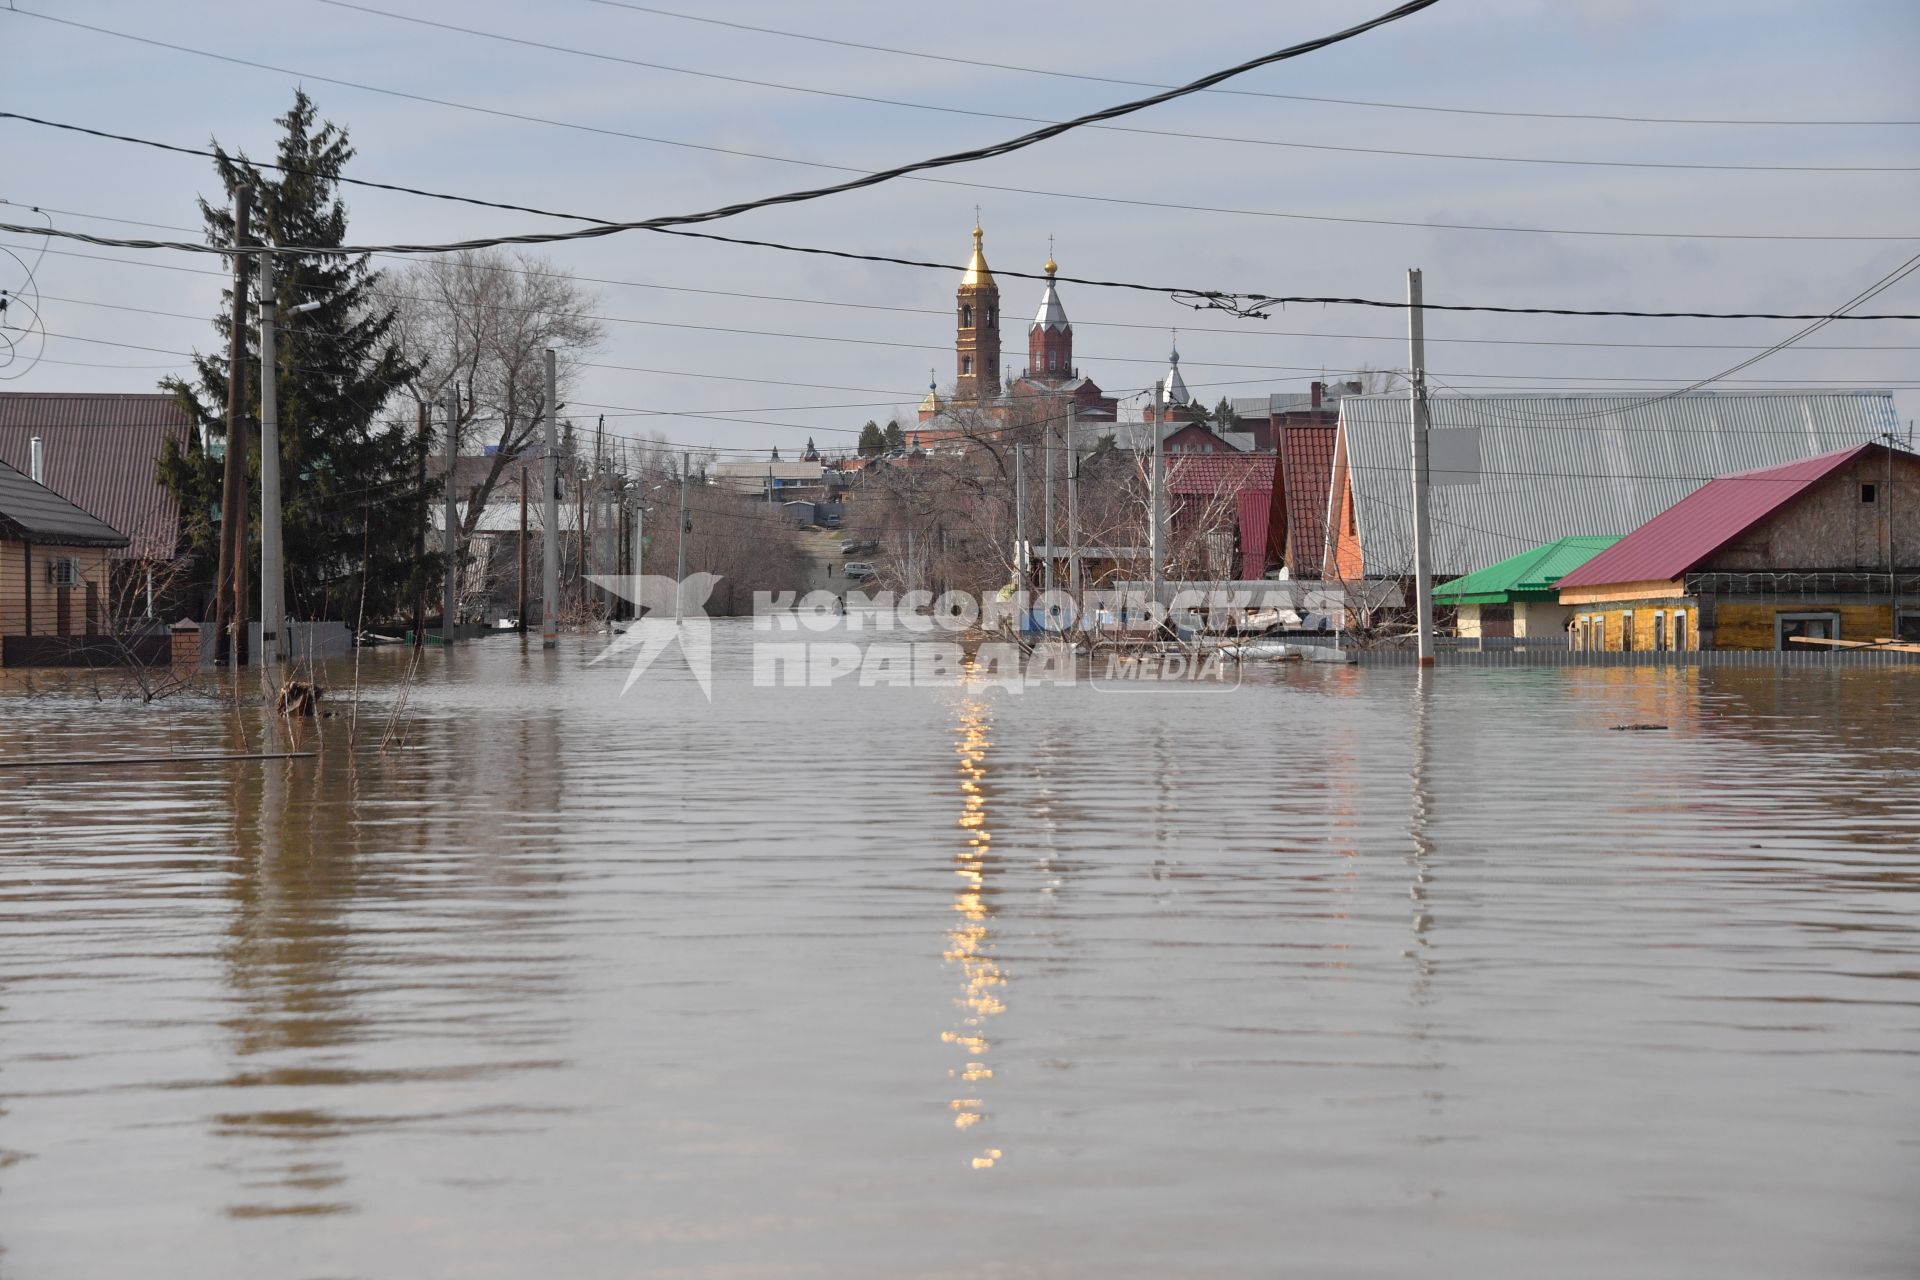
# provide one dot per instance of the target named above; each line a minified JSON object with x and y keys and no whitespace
{"x":1048,"y":443}
{"x":550,"y":520}
{"x":680,"y":573}
{"x":1020,"y":532}
{"x":639,"y":534}
{"x":1073,"y":520}
{"x":1422,"y":523}
{"x":233,"y":502}
{"x":520,"y":614}
{"x":420,"y":434}
{"x":273,"y":577}
{"x":273,"y":570}
{"x":1156,"y":539}
{"x":449,"y":604}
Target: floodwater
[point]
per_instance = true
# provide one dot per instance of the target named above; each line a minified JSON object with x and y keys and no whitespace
{"x":1341,"y":973}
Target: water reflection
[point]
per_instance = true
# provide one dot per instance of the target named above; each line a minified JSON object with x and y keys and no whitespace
{"x":648,"y":987}
{"x":968,"y":943}
{"x":380,"y":900}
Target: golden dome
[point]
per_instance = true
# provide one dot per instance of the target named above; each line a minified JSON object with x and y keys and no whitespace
{"x":1051,"y":266}
{"x":976,"y":273}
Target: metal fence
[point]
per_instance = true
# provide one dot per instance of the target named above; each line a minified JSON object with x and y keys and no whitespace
{"x":1664,"y":658}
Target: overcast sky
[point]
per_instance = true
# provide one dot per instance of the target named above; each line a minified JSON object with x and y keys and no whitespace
{"x":1839,"y":60}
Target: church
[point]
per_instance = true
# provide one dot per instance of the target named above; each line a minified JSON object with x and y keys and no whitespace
{"x":979,"y":391}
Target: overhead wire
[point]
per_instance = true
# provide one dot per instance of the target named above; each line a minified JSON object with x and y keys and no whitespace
{"x":1265,"y":299}
{"x":604,"y":56}
{"x":1243,"y":93}
{"x":910,"y":170}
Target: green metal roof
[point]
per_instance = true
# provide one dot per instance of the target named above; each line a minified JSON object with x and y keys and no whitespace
{"x":1531,"y":575}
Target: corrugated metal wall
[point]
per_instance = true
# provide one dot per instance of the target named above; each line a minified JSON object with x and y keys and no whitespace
{"x":1556,"y":466}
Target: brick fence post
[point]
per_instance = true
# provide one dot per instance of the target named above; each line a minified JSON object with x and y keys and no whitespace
{"x":185,"y":652}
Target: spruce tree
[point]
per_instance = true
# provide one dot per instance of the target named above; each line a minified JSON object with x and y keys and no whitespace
{"x":896,"y":438}
{"x":873,"y":440}
{"x":351,"y":491}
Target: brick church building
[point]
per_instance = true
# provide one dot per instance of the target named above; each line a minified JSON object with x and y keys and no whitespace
{"x":978,"y":387}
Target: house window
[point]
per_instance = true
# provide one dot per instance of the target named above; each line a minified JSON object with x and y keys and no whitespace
{"x":1051,"y":359}
{"x":966,"y":317}
{"x":1659,"y":630}
{"x":966,"y":364}
{"x":1907,"y":626}
{"x":1679,"y":629}
{"x":1867,"y":493}
{"x":992,"y":315}
{"x":1818,"y":626}
{"x":1582,"y":633}
{"x":1626,"y":630}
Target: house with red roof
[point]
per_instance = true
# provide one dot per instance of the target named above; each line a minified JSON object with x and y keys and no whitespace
{"x":1827,"y":547}
{"x":1229,"y":501}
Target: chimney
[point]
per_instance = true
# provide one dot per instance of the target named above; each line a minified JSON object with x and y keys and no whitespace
{"x":37,"y":460}
{"x":1319,"y":390}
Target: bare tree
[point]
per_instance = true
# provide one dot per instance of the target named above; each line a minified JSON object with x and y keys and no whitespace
{"x":484,"y":320}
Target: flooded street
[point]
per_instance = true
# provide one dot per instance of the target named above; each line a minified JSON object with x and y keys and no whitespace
{"x":1341,"y":973}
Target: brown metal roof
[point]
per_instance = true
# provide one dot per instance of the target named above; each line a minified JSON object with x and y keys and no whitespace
{"x":101,"y":452}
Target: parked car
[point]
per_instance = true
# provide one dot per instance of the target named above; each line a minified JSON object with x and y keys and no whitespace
{"x":858,"y":570}
{"x":858,"y":547}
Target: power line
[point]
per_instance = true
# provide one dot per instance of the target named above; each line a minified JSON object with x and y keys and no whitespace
{"x":922,"y":346}
{"x":602,"y":56}
{"x":1243,"y":93}
{"x":910,"y":171}
{"x":1106,"y":324}
{"x":1250,"y":300}
{"x":1878,"y":287}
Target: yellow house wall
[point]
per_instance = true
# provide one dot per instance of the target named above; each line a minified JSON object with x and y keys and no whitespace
{"x":1752,"y":626}
{"x":1613,"y":618}
{"x":13,"y":596}
{"x":1619,"y":591}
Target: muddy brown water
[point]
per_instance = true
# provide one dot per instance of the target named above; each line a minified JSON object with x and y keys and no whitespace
{"x":1337,"y":974}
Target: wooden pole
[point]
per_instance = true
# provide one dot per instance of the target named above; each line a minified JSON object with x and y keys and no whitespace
{"x":233,"y":495}
{"x":420,"y":526}
{"x":520,"y":614}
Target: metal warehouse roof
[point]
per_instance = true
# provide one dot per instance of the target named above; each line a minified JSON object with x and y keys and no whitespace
{"x":33,"y":511}
{"x":1682,"y":536}
{"x":1531,"y":575}
{"x":101,"y":452}
{"x":1556,"y":466}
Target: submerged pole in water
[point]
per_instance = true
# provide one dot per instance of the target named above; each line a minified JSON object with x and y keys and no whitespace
{"x":1422,"y":520}
{"x":550,"y":520}
{"x":680,"y":572}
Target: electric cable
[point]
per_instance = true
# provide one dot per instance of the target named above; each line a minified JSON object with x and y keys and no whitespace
{"x":603,"y":56}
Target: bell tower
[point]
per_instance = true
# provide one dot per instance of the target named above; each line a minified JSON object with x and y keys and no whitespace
{"x":977,"y":329}
{"x":1050,"y":337}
